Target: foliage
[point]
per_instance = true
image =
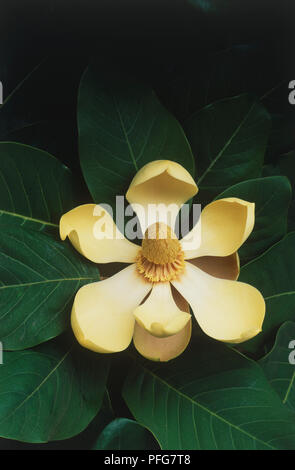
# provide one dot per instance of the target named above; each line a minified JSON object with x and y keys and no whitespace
{"x":221,"y":112}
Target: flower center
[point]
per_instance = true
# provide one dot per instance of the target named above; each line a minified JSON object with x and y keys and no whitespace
{"x":161,"y":258}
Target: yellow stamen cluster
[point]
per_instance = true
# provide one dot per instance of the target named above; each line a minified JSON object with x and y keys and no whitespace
{"x":161,"y":258}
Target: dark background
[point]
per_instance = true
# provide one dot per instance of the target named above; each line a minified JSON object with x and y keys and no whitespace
{"x":190,"y":55}
{"x":169,"y":43}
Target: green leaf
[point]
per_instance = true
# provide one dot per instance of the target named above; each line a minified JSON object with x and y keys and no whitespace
{"x":228,"y":139}
{"x":123,"y":126}
{"x":272,"y":197}
{"x":125,"y":434}
{"x":82,"y":441}
{"x":39,"y":277}
{"x":282,"y":138}
{"x":212,"y":397}
{"x":35,"y":188}
{"x":273,"y":273}
{"x":285,"y":165}
{"x":50,"y":393}
{"x":277,"y":368}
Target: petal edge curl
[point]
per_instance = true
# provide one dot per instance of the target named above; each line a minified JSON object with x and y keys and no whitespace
{"x":160,"y":182}
{"x":164,"y":349}
{"x":225,"y":224}
{"x":102,"y":316}
{"x":228,"y":311}
{"x":94,"y":234}
{"x":159,"y":314}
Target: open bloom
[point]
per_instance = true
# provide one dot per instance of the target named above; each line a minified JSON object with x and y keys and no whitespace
{"x":148,"y":300}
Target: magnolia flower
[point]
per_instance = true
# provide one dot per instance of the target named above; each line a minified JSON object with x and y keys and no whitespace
{"x":148,"y":300}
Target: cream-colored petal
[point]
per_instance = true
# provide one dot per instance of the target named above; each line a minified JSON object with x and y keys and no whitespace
{"x":229,"y":311}
{"x":164,"y":349}
{"x":225,"y":267}
{"x":163,"y":185}
{"x":93,"y":233}
{"x":161,"y":349}
{"x":224,"y":225}
{"x":102,"y":315}
{"x":159,"y":314}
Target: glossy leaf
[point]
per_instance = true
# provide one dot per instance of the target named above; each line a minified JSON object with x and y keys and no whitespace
{"x":210,"y":398}
{"x":228,"y":139}
{"x":50,"y":392}
{"x":125,"y":434}
{"x":35,"y":188}
{"x":278,"y":368}
{"x":123,"y":126}
{"x":272,"y":197}
{"x":39,"y":277}
{"x":273,"y":273}
{"x":285,"y":165}
{"x":81,"y":441}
